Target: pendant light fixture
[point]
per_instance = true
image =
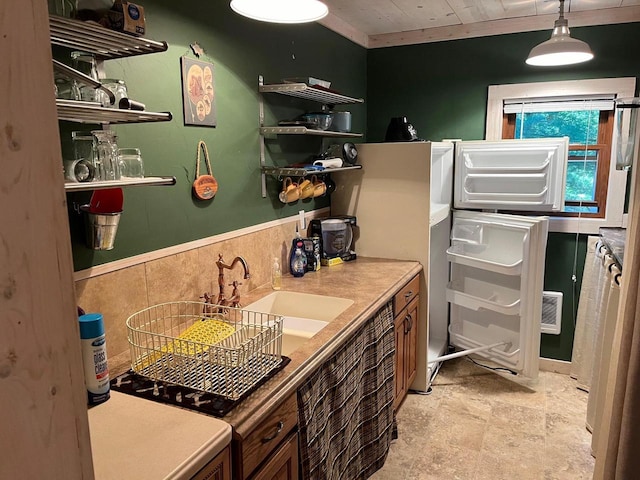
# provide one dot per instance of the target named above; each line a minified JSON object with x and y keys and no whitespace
{"x":561,"y":49}
{"x":281,"y":11}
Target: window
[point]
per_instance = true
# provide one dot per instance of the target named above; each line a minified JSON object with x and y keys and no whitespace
{"x":589,"y":125}
{"x":595,"y":192}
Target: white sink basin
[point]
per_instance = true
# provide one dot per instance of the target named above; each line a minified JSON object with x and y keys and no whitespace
{"x":304,"y":314}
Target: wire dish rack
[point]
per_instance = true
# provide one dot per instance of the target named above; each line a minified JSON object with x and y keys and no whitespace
{"x":215,"y":349}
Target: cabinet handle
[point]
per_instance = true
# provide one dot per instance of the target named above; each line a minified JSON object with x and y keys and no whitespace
{"x":279,"y":428}
{"x":408,"y":295}
{"x":410,"y":320}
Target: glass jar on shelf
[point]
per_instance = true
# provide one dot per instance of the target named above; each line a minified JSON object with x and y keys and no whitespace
{"x":105,"y":155}
{"x":86,"y":63}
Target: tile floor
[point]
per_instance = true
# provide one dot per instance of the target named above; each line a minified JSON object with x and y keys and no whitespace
{"x":477,"y":425}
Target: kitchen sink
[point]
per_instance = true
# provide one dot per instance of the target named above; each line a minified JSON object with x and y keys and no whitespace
{"x":304,"y":314}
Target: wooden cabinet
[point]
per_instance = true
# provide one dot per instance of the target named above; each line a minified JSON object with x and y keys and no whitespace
{"x":217,"y":469}
{"x":282,"y":465}
{"x":258,"y":447}
{"x":405,"y":309}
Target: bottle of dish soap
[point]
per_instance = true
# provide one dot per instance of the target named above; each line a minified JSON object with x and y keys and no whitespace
{"x":276,"y":274}
{"x":298,"y":260}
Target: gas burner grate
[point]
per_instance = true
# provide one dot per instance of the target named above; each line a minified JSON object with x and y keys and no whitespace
{"x":160,"y":391}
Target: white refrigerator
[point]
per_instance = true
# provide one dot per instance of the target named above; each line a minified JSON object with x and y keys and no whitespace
{"x":482,"y":283}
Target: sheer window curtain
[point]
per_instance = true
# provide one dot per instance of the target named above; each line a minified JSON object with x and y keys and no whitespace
{"x":618,"y":442}
{"x":590,"y":312}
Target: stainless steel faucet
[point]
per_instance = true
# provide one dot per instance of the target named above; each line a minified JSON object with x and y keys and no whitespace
{"x":235,"y":300}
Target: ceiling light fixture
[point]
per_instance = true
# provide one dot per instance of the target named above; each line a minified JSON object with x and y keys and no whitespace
{"x":281,"y":11}
{"x":561,"y":49}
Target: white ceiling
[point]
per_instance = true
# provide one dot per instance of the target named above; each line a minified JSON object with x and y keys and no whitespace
{"x":381,"y":23}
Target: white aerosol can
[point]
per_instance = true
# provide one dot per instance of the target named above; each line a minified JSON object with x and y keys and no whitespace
{"x":94,"y":358}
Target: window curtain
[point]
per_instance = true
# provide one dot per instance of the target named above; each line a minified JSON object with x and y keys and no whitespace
{"x":618,"y":441}
{"x":601,"y":361}
{"x":590,"y":313}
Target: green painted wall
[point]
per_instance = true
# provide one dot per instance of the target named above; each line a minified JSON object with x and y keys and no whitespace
{"x":241,"y":50}
{"x":442,"y":89}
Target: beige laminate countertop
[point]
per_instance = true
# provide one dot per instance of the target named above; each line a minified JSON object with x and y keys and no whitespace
{"x":120,"y":442}
{"x":137,"y":439}
{"x":369,"y":282}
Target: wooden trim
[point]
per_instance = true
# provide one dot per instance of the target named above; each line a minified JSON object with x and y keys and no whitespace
{"x":621,"y":86}
{"x":606,"y":16}
{"x":556,"y":366}
{"x":184,"y":247}
{"x":605,"y":137}
{"x":43,"y":400}
{"x":509,"y":126}
{"x":345,"y":29}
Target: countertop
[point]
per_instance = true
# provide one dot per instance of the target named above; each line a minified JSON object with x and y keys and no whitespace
{"x":121,"y":444}
{"x":369,"y":282}
{"x":133,"y":438}
{"x":614,"y":238}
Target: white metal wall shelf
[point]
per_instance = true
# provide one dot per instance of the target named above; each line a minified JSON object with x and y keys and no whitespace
{"x":106,"y":45}
{"x":88,"y":112}
{"x":282,"y":172}
{"x":306,"y":131}
{"x":102,"y":42}
{"x":130,"y":182}
{"x":304,"y":91}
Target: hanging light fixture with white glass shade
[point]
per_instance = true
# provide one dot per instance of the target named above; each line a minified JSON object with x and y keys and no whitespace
{"x":560,"y":49}
{"x":281,"y":11}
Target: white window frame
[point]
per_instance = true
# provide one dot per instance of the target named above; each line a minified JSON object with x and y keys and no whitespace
{"x":620,"y":87}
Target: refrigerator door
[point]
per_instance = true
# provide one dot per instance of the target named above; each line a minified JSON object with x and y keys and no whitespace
{"x":517,"y":175}
{"x":495,"y":292}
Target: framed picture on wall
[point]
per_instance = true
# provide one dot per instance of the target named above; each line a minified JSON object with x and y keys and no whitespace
{"x":198,"y":92}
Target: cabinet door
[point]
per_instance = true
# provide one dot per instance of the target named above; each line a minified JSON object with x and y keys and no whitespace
{"x":263,"y":440}
{"x":400,"y":386}
{"x":216,"y":469}
{"x":282,"y":465}
{"x":410,"y":343}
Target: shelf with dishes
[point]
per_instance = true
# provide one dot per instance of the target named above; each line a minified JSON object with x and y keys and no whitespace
{"x":91,"y":112}
{"x":103,"y":44}
{"x":304,"y":125}
{"x":309,"y":92}
{"x":300,"y":130}
{"x":282,"y":172}
{"x":93,"y":38}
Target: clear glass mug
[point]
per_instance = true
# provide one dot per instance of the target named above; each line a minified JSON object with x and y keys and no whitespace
{"x":86,"y":63}
{"x":130,"y":163}
{"x":63,"y":8}
{"x":105,"y":155}
{"x":117,"y":87}
{"x":82,"y":145}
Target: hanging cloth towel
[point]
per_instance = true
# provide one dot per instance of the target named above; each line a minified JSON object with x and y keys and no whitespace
{"x":345,"y":408}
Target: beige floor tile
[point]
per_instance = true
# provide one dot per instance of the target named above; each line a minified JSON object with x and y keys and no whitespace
{"x":496,"y":467}
{"x":502,"y":442}
{"x":518,"y":418}
{"x":478,"y":425}
{"x":440,"y":462}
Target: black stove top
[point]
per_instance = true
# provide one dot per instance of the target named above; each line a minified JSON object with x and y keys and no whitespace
{"x":159,"y":391}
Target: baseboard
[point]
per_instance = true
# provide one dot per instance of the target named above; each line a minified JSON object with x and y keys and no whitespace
{"x":556,"y":366}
